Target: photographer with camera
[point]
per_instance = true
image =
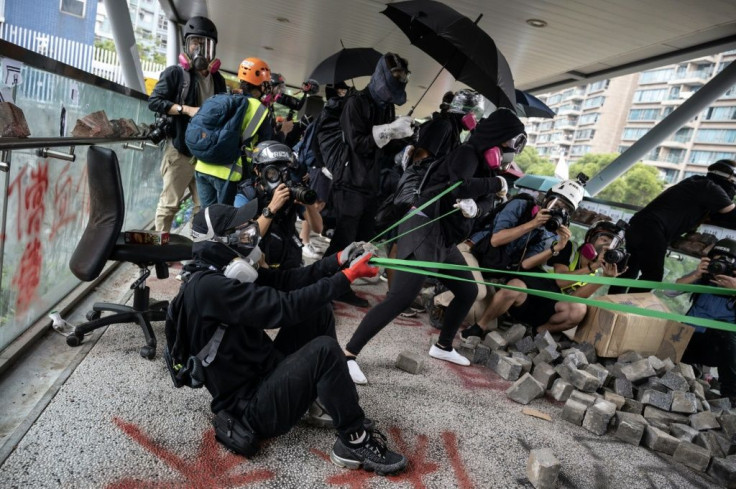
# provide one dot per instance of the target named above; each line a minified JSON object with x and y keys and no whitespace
{"x":278,"y":198}
{"x":285,"y":130}
{"x":714,"y":347}
{"x":679,"y":209}
{"x":178,"y":94}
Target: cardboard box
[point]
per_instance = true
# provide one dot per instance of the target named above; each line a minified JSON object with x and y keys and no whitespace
{"x":613,"y":333}
{"x":146,"y":237}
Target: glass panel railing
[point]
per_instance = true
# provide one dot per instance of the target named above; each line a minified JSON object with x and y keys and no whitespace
{"x":45,"y":201}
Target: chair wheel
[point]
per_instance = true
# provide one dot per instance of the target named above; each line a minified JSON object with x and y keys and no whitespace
{"x":92,"y":315}
{"x":74,"y":340}
{"x":148,"y":352}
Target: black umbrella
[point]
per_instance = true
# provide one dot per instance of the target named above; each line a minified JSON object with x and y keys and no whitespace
{"x":527,"y":105}
{"x":458,"y":44}
{"x":345,"y":64}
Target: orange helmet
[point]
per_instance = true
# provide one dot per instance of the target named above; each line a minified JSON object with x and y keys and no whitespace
{"x":254,"y":71}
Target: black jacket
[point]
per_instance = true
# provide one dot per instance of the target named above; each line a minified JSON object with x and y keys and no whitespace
{"x":167,"y":92}
{"x":278,"y":299}
{"x":360,"y":114}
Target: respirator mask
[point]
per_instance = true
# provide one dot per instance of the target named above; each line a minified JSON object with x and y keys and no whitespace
{"x":199,"y":53}
{"x":500,"y":157}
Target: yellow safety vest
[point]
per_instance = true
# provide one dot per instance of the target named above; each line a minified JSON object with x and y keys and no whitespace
{"x":255,"y":114}
{"x":569,"y":289}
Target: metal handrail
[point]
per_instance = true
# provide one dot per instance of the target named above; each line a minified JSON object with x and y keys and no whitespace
{"x":9,"y":144}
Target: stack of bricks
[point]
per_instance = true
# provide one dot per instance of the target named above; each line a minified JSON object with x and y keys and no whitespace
{"x":640,"y":400}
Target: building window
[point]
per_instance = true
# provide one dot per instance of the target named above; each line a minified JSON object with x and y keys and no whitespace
{"x":594,"y":102}
{"x":668,"y":174}
{"x":585,"y":134}
{"x":634,"y":132}
{"x":684,"y":135}
{"x":674,"y":155}
{"x":705,"y":158}
{"x":650,"y":95}
{"x":554,"y":99}
{"x":599,"y":85}
{"x":73,"y":7}
{"x":643,"y":114}
{"x":689,"y":174}
{"x":580,"y":150}
{"x":717,"y":136}
{"x":721,"y":113}
{"x":656,"y":76}
{"x":588,"y":119}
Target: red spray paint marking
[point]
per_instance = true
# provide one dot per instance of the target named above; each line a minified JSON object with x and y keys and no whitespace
{"x":28,"y":276}
{"x":212,"y":466}
{"x":476,"y":377}
{"x":461,"y":472}
{"x":63,"y":198}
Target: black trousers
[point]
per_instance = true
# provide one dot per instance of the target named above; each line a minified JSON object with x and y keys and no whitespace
{"x":314,"y":366}
{"x":648,"y":248}
{"x":404,"y":289}
{"x":355,"y":214}
{"x":715,"y":348}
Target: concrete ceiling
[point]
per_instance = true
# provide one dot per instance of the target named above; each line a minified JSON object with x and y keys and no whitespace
{"x":584,"y":40}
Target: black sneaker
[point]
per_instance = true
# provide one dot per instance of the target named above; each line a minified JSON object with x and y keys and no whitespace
{"x":317,"y":415}
{"x":436,"y":315}
{"x":474,"y":330}
{"x":373,"y":456}
{"x":352,"y":298}
{"x":417,"y":306}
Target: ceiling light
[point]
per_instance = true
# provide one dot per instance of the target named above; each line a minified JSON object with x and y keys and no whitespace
{"x":539,"y":23}
{"x":267,"y":48}
{"x":283,"y":19}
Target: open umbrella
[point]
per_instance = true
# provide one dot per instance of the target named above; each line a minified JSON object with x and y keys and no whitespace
{"x":345,"y":64}
{"x":527,"y":105}
{"x":459,"y":45}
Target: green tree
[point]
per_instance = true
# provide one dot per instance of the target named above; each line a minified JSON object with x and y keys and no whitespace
{"x":528,"y":158}
{"x":105,"y":44}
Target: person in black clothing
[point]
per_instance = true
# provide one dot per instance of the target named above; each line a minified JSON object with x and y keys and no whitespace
{"x":368,"y":125}
{"x":265,"y":385}
{"x":438,"y":241}
{"x":178,"y":94}
{"x":679,"y":209}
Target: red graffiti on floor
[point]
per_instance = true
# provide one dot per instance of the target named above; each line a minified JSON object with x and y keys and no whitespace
{"x":419,"y":466}
{"x":352,"y":312}
{"x":212,"y":467}
{"x":477,"y":377}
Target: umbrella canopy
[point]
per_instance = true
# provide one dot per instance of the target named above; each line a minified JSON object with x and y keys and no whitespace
{"x":346,"y":64}
{"x":527,"y":105}
{"x":458,"y":44}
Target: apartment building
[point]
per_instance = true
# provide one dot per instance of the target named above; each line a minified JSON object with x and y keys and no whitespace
{"x":610,"y":115}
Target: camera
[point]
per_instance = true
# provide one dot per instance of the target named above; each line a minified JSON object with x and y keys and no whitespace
{"x":303,"y":194}
{"x":616,"y":257}
{"x":160,"y":128}
{"x":720,"y":266}
{"x":558,"y":217}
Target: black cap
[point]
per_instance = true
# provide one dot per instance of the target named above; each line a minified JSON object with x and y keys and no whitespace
{"x":497,"y":128}
{"x":224,"y":217}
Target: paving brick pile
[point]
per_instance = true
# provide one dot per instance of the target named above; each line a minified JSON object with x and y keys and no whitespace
{"x":640,"y":400}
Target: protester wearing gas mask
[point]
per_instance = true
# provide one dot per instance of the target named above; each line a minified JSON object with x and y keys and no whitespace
{"x":368,"y":126}
{"x":708,"y":346}
{"x":286,"y":131}
{"x":603,"y":252}
{"x":678,"y":210}
{"x":262,"y":387}
{"x":437,"y":242}
{"x":178,"y":94}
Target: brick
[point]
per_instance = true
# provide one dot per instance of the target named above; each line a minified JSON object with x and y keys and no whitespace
{"x":684,"y":402}
{"x":657,"y":364}
{"x":93,"y":125}
{"x":495,"y":341}
{"x":585,"y":381}
{"x":482,"y":353}
{"x":574,"y":411}
{"x":692,"y":455}
{"x":524,"y":360}
{"x":466,"y":349}
{"x":473,"y":341}
{"x":543,"y":468}
{"x":623,"y":387}
{"x":599,"y":371}
{"x":433,"y":338}
{"x":494,"y":358}
{"x":619,"y":401}
{"x":686,"y":371}
{"x":655,"y":384}
{"x":630,"y":427}
{"x":525,"y":390}
{"x":525,"y":345}
{"x":668,"y":364}
{"x":616,"y":371}
{"x":638,"y":371}
{"x":508,"y":368}
{"x":545,"y":374}
{"x":697,"y":389}
{"x":709,"y":440}
{"x":588,"y":350}
{"x":650,"y":397}
{"x":548,"y":355}
{"x":658,"y":417}
{"x":598,"y":417}
{"x":704,"y":421}
{"x":12,"y":121}
{"x":586,"y":399}
{"x":410,"y":361}
{"x":683,"y":432}
{"x":514,"y":333}
{"x":659,"y":441}
{"x":629,"y":357}
{"x":632,"y":406}
{"x":544,"y":340}
{"x":723,"y":470}
{"x":674,"y":381}
{"x":723,"y":403}
{"x":563,"y":371}
{"x":728,"y":424}
{"x":561,"y":390}
{"x":575,"y":359}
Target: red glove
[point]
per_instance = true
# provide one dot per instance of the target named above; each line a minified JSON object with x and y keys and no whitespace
{"x":360,"y":268}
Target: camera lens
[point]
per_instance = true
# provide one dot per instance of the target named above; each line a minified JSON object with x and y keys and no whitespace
{"x":553,"y":224}
{"x":304,"y":195}
{"x":613,"y":256}
{"x":718,"y":267}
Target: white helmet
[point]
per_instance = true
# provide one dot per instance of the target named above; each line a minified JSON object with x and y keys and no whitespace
{"x":571,"y":191}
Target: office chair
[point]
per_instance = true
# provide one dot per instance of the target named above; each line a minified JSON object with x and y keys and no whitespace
{"x":102,"y":240}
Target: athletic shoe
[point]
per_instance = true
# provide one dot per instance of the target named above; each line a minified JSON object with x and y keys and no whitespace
{"x":384,"y":276}
{"x":408,"y":313}
{"x":317,"y":415}
{"x":474,"y":330}
{"x":356,"y":373}
{"x":372,"y":456}
{"x":310,"y":251}
{"x":448,"y":356}
{"x":418,"y":306}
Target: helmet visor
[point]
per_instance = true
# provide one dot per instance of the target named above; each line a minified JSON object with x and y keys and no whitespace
{"x":246,"y":234}
{"x":201,"y":46}
{"x":517,"y":143}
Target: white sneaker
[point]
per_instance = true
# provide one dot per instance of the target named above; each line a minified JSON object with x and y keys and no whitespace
{"x":356,"y":373}
{"x":448,"y":356}
{"x":309,"y":251}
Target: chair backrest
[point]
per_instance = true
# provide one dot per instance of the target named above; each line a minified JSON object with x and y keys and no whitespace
{"x":106,"y":214}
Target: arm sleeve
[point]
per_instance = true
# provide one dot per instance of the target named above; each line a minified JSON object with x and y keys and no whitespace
{"x":510,"y":216}
{"x":564,"y":258}
{"x":165,"y":92}
{"x":357,"y":126}
{"x":297,"y":278}
{"x":462,"y":164}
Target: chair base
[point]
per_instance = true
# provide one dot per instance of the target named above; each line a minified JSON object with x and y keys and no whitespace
{"x":142,"y":313}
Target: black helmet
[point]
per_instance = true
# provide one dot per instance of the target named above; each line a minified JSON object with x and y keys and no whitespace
{"x":221,"y":232}
{"x":269,"y":152}
{"x":605,"y":227}
{"x":465,"y":101}
{"x":200,"y":26}
{"x":725,"y":246}
{"x":725,"y":169}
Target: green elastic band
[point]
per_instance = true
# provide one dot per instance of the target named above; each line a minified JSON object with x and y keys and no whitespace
{"x":420,"y":226}
{"x":416,"y":211}
{"x":557,"y":296}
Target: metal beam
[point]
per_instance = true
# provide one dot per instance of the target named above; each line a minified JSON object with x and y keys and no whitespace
{"x":124,"y":37}
{"x":689,"y":109}
{"x":173,"y":41}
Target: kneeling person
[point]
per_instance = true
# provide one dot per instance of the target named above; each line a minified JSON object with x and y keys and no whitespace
{"x":261,"y":387}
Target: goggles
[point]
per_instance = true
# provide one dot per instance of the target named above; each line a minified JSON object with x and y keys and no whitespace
{"x":616,"y":240}
{"x":517,"y":143}
{"x":401,"y":74}
{"x":558,"y":203}
{"x":247,"y":234}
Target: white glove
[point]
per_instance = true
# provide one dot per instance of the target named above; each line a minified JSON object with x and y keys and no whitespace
{"x":400,"y":128}
{"x":504,"y":188}
{"x":468,"y":207}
